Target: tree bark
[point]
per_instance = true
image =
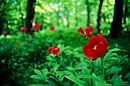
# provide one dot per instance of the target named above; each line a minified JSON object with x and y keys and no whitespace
{"x":88,"y":12}
{"x":99,"y":16}
{"x":2,"y":14}
{"x":30,"y":14}
{"x":76,"y":17}
{"x":116,"y":27}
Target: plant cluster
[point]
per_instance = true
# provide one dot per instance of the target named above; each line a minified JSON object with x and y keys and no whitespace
{"x":53,"y":57}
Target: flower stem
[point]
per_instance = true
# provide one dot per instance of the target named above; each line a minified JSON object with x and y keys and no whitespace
{"x":91,"y":82}
{"x":102,"y":67}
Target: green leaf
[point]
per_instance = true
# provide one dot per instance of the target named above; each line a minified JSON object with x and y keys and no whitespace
{"x":107,"y":54}
{"x":101,"y":83}
{"x":95,"y":77}
{"x":114,"y":70}
{"x":38,"y":85}
{"x":115,"y":49}
{"x":36,"y":77}
{"x":44,"y":72}
{"x":117,"y":80}
{"x":66,"y":83}
{"x":75,"y":79}
{"x":110,"y":56}
{"x":97,"y":63}
{"x":128,"y":76}
{"x":38,"y":72}
{"x":80,"y":65}
{"x":84,"y":74}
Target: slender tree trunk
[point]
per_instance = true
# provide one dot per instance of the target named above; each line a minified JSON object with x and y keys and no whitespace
{"x":126,"y":11}
{"x":66,"y":12}
{"x":116,"y":27}
{"x":58,"y":24}
{"x":88,"y":12}
{"x":22,"y":19}
{"x":76,"y":18}
{"x":99,"y":16}
{"x":30,"y":14}
{"x":67,"y":18}
{"x":3,"y":4}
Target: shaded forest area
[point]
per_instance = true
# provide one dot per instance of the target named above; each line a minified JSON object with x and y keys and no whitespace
{"x":65,"y":42}
{"x":109,"y":16}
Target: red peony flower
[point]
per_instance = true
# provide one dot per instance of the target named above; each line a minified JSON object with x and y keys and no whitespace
{"x":87,"y":31}
{"x":81,"y":31}
{"x":52,"y":28}
{"x":23,"y":29}
{"x":96,"y":47}
{"x":5,"y":33}
{"x":54,"y":50}
{"x":36,"y":27}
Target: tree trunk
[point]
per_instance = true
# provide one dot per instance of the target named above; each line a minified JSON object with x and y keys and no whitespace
{"x":116,"y":27}
{"x":30,"y":14}
{"x":3,"y":4}
{"x":67,"y":18}
{"x":99,"y":16}
{"x":76,"y":18}
{"x":88,"y":12}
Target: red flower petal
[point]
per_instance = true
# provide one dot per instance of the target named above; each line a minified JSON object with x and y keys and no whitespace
{"x":89,"y":30}
{"x":91,"y":53}
{"x":101,"y":38}
{"x":36,"y":27}
{"x":50,"y":49}
{"x":23,"y":29}
{"x":54,"y":50}
{"x":101,"y":48}
{"x":52,"y":28}
{"x":94,"y":40}
{"x":81,"y":31}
